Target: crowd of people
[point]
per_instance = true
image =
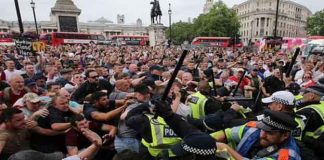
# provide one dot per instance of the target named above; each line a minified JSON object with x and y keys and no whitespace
{"x":103,"y":102}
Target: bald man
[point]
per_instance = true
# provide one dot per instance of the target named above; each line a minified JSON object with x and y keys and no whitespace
{"x":16,"y":90}
{"x":121,"y":88}
{"x":74,"y":106}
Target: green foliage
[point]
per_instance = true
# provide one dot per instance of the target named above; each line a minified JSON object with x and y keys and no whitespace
{"x":180,"y":31}
{"x":315,"y":24}
{"x":221,"y":21}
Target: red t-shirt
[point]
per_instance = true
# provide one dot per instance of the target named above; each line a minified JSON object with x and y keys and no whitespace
{"x":12,"y":97}
{"x":245,"y":81}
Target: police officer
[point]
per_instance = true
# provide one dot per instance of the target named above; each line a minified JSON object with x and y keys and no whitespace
{"x":284,"y":101}
{"x":269,"y":138}
{"x":156,"y":135}
{"x":201,"y":103}
{"x":281,"y":101}
{"x":314,"y":113}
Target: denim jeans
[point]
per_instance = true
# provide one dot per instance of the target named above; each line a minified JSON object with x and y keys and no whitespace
{"x":132,"y":144}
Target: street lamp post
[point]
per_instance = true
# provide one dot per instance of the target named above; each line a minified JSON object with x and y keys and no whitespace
{"x":170,"y":29}
{"x":276,"y":20}
{"x":32,"y":4}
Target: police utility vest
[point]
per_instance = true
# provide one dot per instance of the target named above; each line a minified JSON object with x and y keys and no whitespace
{"x":319,"y":109}
{"x":197,"y":102}
{"x":163,"y":137}
{"x":242,"y":139}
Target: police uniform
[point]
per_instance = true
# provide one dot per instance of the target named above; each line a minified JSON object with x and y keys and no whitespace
{"x":314,"y":113}
{"x":233,"y":118}
{"x":245,"y":139}
{"x":162,"y":137}
{"x":197,"y":103}
{"x":156,"y":135}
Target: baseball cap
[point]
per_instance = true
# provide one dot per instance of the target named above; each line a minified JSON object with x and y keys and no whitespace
{"x":282,"y":97}
{"x":277,"y":121}
{"x":31,"y":97}
{"x":155,"y":67}
{"x":30,"y":82}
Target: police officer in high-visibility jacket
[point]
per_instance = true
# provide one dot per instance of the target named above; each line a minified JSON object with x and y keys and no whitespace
{"x":156,"y":135}
{"x":269,"y":138}
{"x":200,"y":102}
{"x":284,"y":101}
{"x":281,"y":101}
{"x":313,"y":110}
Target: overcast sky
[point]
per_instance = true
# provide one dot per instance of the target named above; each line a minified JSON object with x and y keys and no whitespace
{"x":132,"y":9}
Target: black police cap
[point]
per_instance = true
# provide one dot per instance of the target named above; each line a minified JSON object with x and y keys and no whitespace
{"x":277,"y":121}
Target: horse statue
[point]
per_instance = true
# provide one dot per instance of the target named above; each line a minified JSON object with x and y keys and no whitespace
{"x":156,"y":12}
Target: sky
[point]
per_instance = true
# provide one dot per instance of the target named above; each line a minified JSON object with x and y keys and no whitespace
{"x":132,"y":9}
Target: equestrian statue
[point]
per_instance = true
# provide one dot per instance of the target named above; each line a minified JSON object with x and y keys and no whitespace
{"x":156,"y":12}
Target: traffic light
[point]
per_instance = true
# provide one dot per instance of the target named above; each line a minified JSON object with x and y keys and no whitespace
{"x":238,"y":39}
{"x":235,"y":39}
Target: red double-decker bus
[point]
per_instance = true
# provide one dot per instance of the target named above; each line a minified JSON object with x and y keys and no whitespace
{"x":121,"y":40}
{"x":214,"y":42}
{"x":60,"y":38}
{"x":6,"y":39}
{"x":315,"y":37}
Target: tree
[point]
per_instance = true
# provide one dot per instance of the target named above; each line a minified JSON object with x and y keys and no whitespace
{"x":181,"y":31}
{"x":315,"y":24}
{"x":221,"y":21}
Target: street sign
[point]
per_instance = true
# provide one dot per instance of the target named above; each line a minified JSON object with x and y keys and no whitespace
{"x":24,"y":47}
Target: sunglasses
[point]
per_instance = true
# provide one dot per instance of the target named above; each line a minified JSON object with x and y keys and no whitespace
{"x":94,"y":77}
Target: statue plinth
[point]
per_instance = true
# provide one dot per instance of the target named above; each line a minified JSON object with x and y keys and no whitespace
{"x":156,"y":34}
{"x":65,"y":14}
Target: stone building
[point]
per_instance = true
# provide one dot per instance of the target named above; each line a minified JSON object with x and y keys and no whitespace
{"x":208,"y":5}
{"x":64,"y":17}
{"x":257,"y":18}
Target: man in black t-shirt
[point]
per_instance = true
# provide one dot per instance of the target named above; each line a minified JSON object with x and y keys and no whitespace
{"x":57,"y":120}
{"x":273,"y":83}
{"x":102,"y":109}
{"x":92,"y":84}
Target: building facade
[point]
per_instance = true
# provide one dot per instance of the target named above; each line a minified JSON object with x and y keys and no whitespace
{"x":67,"y":9}
{"x":257,"y":18}
{"x":208,"y":6}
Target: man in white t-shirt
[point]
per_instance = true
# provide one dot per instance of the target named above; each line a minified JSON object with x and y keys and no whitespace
{"x":11,"y":70}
